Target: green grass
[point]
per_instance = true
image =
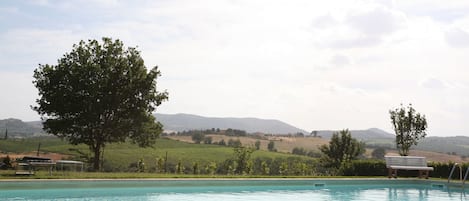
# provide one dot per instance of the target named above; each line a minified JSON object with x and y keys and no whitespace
{"x":42,"y":174}
{"x":121,"y":156}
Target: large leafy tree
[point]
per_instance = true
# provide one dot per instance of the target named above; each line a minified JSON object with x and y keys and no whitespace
{"x":99,"y":93}
{"x":409,"y":127}
{"x":342,"y":148}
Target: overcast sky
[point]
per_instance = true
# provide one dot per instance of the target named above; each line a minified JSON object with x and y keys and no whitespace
{"x":313,"y":64}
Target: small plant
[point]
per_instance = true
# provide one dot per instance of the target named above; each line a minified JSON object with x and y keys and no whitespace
{"x":141,"y":165}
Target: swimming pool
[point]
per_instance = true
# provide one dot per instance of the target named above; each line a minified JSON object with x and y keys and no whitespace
{"x":231,"y":190}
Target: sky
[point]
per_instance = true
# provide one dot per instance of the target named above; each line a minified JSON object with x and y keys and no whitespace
{"x":313,"y":64}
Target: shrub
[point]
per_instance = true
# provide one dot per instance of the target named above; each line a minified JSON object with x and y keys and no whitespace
{"x":364,"y":168}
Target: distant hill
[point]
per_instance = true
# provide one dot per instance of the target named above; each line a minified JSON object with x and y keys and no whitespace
{"x":372,"y":133}
{"x":452,"y":145}
{"x":18,"y":128}
{"x":181,"y":122}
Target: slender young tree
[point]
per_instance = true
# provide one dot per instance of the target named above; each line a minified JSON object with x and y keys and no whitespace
{"x":409,"y":127}
{"x":99,"y":93}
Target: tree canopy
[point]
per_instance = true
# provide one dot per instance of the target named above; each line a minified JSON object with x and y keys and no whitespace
{"x":99,"y":93}
{"x":409,"y":127}
{"x":342,"y":148}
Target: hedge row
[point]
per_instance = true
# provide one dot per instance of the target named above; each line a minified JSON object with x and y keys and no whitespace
{"x":378,"y":168}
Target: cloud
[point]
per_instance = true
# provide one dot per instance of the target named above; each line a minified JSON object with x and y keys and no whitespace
{"x":33,"y":46}
{"x":340,"y":60}
{"x":377,"y":21}
{"x":440,"y":11}
{"x":324,"y":21}
{"x":360,"y":27}
{"x":457,"y":38}
{"x":433,"y":83}
{"x":323,"y":65}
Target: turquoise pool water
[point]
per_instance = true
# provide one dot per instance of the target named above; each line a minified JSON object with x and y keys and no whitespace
{"x":230,"y":190}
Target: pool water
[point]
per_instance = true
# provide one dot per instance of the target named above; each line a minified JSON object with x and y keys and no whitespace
{"x":231,"y":190}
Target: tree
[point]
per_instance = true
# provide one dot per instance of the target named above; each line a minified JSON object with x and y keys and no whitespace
{"x":314,"y":133}
{"x":378,"y":153}
{"x":242,"y":159}
{"x":271,"y":146}
{"x":409,"y":127}
{"x":208,"y":140}
{"x":99,"y":94}
{"x":6,"y":134}
{"x":257,"y":144}
{"x":198,"y":137}
{"x":234,"y":143}
{"x":6,"y":163}
{"x":342,"y":148}
{"x":299,"y":151}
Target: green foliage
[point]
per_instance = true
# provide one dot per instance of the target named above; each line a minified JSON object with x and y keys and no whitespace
{"x":141,"y":165}
{"x":211,"y":168}
{"x":222,"y":142}
{"x":234,"y":143}
{"x":235,"y":132}
{"x":342,"y":148}
{"x":364,"y":168}
{"x":121,"y":157}
{"x":6,"y":163}
{"x":257,"y":144}
{"x":160,"y":165}
{"x":195,"y":168}
{"x":271,"y":146}
{"x":208,"y":140}
{"x":180,"y":168}
{"x":409,"y":127}
{"x":99,"y":94}
{"x":242,"y":158}
{"x":198,"y":137}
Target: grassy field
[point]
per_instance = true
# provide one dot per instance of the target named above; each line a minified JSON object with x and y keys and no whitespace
{"x":124,"y":156}
{"x":282,"y":144}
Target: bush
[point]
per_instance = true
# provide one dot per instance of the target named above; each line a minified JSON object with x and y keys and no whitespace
{"x":378,"y":168}
{"x":364,"y":168}
{"x":442,"y":170}
{"x":6,"y":163}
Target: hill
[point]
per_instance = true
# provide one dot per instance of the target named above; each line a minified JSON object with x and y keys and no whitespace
{"x":452,"y":145}
{"x":18,"y":128}
{"x":181,"y":122}
{"x":364,"y":135}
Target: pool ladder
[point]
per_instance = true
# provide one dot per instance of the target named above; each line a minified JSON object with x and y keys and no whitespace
{"x":463,"y":180}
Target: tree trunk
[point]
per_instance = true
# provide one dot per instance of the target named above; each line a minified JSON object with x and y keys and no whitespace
{"x":96,"y":158}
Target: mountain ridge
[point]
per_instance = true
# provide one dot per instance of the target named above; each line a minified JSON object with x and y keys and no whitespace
{"x":181,"y":122}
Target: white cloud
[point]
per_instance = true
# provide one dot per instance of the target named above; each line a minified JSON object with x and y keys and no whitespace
{"x":433,"y":83}
{"x":457,"y":38}
{"x":328,"y":65}
{"x":364,"y":25}
{"x":340,"y":60}
{"x":376,"y":21}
